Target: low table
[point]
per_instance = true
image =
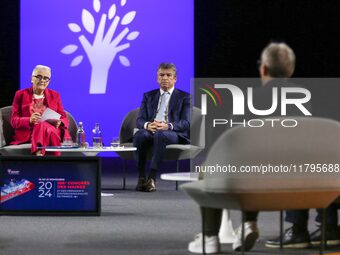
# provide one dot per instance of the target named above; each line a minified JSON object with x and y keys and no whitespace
{"x":187,"y":176}
{"x":90,"y":151}
{"x":226,"y":233}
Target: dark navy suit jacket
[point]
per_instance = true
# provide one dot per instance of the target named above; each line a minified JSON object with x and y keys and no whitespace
{"x":178,"y":115}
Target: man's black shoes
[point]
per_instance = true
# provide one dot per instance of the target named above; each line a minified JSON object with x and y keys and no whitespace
{"x":291,"y":239}
{"x":147,"y":186}
{"x":300,"y":240}
{"x":141,"y":184}
{"x":332,"y":237}
{"x":150,"y":185}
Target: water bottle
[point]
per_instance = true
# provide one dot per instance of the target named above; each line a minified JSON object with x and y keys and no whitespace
{"x":81,"y":135}
{"x":97,"y":137}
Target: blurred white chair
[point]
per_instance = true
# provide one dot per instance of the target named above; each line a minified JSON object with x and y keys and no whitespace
{"x":313,"y":141}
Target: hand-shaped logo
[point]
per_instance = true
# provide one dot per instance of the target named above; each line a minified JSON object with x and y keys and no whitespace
{"x":105,"y":46}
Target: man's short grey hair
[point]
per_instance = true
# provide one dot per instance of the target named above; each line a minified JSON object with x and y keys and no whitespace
{"x":280,"y":60}
{"x":38,"y":67}
{"x":166,"y":65}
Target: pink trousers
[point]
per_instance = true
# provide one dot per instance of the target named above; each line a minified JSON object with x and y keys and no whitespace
{"x":44,"y":134}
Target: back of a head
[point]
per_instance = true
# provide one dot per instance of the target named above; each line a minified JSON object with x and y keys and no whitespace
{"x":280,"y":60}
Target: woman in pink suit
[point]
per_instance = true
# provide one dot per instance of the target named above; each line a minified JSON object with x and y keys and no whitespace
{"x":28,"y":106}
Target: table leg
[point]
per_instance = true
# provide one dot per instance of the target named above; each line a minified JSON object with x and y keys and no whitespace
{"x":226,"y":233}
{"x":106,"y":194}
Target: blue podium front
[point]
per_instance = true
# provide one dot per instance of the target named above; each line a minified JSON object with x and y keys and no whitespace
{"x":50,"y":185}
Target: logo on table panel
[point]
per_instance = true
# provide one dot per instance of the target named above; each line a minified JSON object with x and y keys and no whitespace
{"x":103,"y":36}
{"x":13,"y":172}
{"x":15,"y":188}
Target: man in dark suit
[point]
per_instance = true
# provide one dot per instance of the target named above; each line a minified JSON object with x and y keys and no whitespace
{"x":277,"y":64}
{"x":163,"y":119}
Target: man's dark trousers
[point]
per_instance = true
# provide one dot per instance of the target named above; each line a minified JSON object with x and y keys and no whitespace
{"x":143,"y":140}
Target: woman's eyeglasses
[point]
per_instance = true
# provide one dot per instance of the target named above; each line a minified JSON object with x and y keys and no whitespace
{"x":44,"y":78}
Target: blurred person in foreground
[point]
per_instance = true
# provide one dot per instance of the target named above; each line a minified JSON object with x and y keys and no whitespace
{"x":277,"y":64}
{"x":28,"y":106}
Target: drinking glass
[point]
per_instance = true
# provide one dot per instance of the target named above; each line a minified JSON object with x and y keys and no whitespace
{"x":115,"y":142}
{"x":67,"y":142}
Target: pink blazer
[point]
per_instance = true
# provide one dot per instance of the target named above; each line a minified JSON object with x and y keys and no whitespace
{"x":20,"y":118}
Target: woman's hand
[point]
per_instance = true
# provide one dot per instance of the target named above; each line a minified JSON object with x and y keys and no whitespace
{"x":57,"y":124}
{"x":54,"y":122}
{"x":35,"y":118}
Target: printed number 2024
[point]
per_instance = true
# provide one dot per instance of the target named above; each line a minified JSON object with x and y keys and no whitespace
{"x":45,"y":189}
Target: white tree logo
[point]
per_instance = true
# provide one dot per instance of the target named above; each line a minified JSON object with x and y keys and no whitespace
{"x":105,"y":46}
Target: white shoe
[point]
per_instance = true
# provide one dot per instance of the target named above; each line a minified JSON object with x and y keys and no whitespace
{"x":251,"y":234}
{"x":212,"y":244}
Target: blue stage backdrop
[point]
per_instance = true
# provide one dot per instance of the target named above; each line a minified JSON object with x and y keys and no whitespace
{"x":104,"y":53}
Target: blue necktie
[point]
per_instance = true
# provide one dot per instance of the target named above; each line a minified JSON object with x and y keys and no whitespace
{"x":162,"y":111}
